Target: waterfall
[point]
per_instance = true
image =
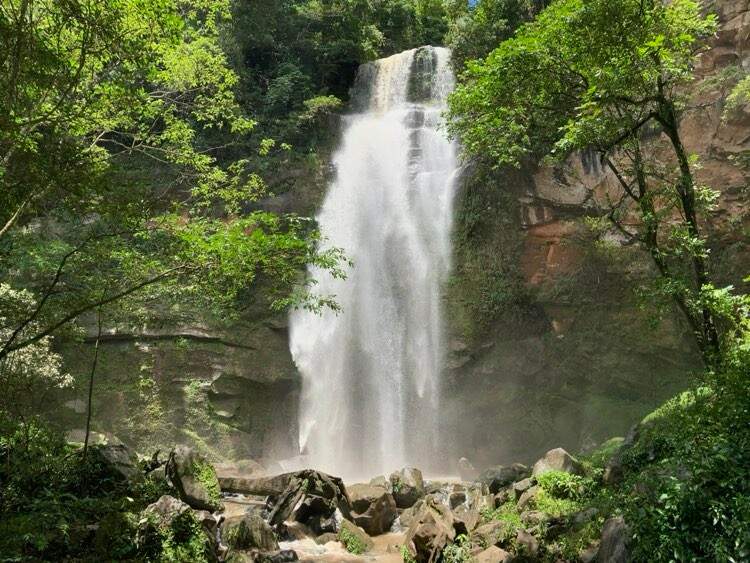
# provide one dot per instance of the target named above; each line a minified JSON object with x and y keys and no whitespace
{"x":371,"y":373}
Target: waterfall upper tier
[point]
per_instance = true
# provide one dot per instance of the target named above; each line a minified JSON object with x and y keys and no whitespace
{"x":371,"y":374}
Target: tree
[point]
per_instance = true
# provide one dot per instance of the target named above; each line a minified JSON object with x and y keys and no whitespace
{"x":115,"y":121}
{"x":607,"y":75}
{"x":474,"y":32}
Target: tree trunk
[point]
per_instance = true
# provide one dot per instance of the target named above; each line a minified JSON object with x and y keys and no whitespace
{"x":91,"y":381}
{"x":707,"y":333}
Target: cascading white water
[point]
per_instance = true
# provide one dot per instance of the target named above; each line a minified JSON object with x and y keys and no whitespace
{"x":371,"y":374}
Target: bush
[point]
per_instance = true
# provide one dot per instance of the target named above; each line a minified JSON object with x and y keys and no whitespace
{"x":687,"y":491}
{"x":459,"y":551}
{"x":351,"y":542}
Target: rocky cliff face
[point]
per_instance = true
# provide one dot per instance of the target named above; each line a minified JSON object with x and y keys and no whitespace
{"x":551,"y":344}
{"x":548,"y":343}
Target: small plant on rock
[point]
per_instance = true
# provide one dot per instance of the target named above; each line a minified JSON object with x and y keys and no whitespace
{"x":459,"y":551}
{"x":352,"y":543}
{"x":406,"y":556}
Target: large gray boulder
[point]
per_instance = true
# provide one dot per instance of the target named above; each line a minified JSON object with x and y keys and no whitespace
{"x":194,"y":478}
{"x":311,"y":498}
{"x":501,"y":476}
{"x":248,"y":531}
{"x":407,"y":486}
{"x":614,"y":545}
{"x":373,"y":508}
{"x":557,"y":460}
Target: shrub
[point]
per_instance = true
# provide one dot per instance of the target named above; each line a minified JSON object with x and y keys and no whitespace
{"x":459,"y":551}
{"x":352,"y":543}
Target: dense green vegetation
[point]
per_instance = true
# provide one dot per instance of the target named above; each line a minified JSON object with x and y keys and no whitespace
{"x":140,"y":140}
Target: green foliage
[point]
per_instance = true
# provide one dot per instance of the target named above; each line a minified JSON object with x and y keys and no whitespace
{"x":507,"y":513}
{"x":458,"y":551}
{"x":183,"y":539}
{"x":352,"y":543}
{"x":739,"y":97}
{"x":474,"y":32}
{"x":598,"y":458}
{"x":687,"y":488}
{"x":118,"y":182}
{"x":26,"y":375}
{"x":558,"y":84}
{"x":205,"y":474}
{"x":50,"y":497}
{"x":406,"y":555}
{"x":238,"y":536}
{"x":564,"y":485}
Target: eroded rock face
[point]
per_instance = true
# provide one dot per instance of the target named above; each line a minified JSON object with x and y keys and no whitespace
{"x":194,"y":478}
{"x":373,"y":508}
{"x":557,"y":360}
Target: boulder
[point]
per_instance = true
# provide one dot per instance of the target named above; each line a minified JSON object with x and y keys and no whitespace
{"x":496,"y":532}
{"x":373,"y":508}
{"x":430,"y":531}
{"x":521,"y":487}
{"x":492,"y":554}
{"x":323,"y":539}
{"x":527,"y":544}
{"x":503,"y":496}
{"x":465,"y":519}
{"x":501,"y":476}
{"x":381,"y":481}
{"x":528,"y":496}
{"x":407,"y":486}
{"x":589,"y":554}
{"x":165,"y":510}
{"x":466,"y":470}
{"x":169,"y":517}
{"x":534,"y":518}
{"x":194,"y":478}
{"x":248,"y":531}
{"x":408,"y":516}
{"x":614,"y":545}
{"x":120,"y":461}
{"x":456,"y":498}
{"x":557,"y":460}
{"x":354,"y":538}
{"x":209,"y":522}
{"x":311,"y":498}
{"x":614,"y":471}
